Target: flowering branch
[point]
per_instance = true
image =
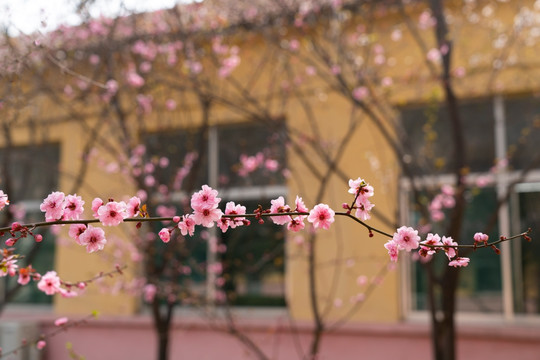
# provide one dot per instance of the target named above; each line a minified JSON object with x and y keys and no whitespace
{"x":63,"y":324}
{"x":61,"y":209}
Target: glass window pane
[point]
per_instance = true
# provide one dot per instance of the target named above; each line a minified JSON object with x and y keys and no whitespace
{"x":253,"y":264}
{"x":428,"y":136}
{"x":523,"y":131}
{"x":177,"y":146}
{"x":480,"y":285}
{"x":30,"y":173}
{"x":31,"y":170}
{"x":250,"y":140}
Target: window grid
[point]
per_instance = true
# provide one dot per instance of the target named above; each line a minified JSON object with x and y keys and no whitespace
{"x":510,"y":259}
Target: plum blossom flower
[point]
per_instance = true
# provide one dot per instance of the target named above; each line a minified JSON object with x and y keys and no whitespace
{"x":207,"y":217}
{"x":41,"y":344}
{"x":278,"y":206}
{"x":360,"y":93}
{"x":205,"y":199}
{"x":321,"y":216}
{"x":8,"y":266}
{"x":360,"y":186}
{"x":459,"y":262}
{"x":53,"y":206}
{"x":112,"y":213}
{"x":133,"y":205}
{"x":450,"y":251}
{"x":49,"y":283}
{"x":93,"y":238}
{"x":149,"y":292}
{"x":297,"y":224}
{"x":406,"y":238}
{"x":433,"y":240}
{"x":96,"y":204}
{"x":363,"y":207}
{"x":393,"y":250}
{"x":75,"y":230}
{"x":232,"y":209}
{"x":61,"y":321}
{"x":480,"y":238}
{"x":165,"y":235}
{"x":135,"y":80}
{"x":25,"y":274}
{"x":67,"y":293}
{"x":3,"y":200}
{"x":187,"y":225}
{"x":73,"y":207}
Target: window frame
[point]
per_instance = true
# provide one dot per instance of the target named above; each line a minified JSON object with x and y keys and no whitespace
{"x":502,"y":180}
{"x":233,"y":193}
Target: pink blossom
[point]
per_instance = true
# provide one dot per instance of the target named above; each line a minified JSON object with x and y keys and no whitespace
{"x":459,"y":262}
{"x":393,"y":250}
{"x":41,"y":344}
{"x":450,"y":251}
{"x":187,"y":225}
{"x":73,"y":207}
{"x":360,"y":187}
{"x":113,"y":213}
{"x":406,"y":238}
{"x":250,"y":164}
{"x":93,"y":238}
{"x":360,"y":93}
{"x":96,"y":204}
{"x":25,"y":274}
{"x":364,"y":206}
{"x":271,"y":165}
{"x":149,"y":292}
{"x":75,"y":230}
{"x":134,"y":79}
{"x":205,"y":199}
{"x":165,"y":235}
{"x":145,"y":103}
{"x":232,"y":209}
{"x":207,"y":217}
{"x":278,"y":206}
{"x":49,"y":283}
{"x":3,"y":200}
{"x":297,"y":223}
{"x":61,"y":321}
{"x":132,"y":207}
{"x":170,"y":104}
{"x":433,"y":240}
{"x":480,"y":238}
{"x":321,"y":216}
{"x":53,"y":206}
{"x":67,"y":293}
{"x":8,"y":266}
{"x":361,"y":280}
{"x":434,"y":55}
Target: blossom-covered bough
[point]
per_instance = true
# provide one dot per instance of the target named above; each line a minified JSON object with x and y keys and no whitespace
{"x":61,"y":209}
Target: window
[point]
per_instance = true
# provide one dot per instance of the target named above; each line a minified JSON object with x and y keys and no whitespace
{"x":28,"y":174}
{"x":494,"y":128}
{"x":245,"y":163}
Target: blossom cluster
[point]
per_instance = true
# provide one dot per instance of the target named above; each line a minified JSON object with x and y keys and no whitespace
{"x":206,"y":212}
{"x":406,"y":238}
{"x":362,"y":192}
{"x":60,"y":207}
{"x":49,"y":283}
{"x":249,"y":164}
